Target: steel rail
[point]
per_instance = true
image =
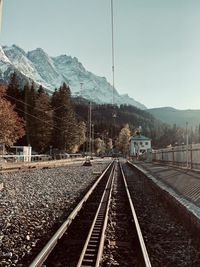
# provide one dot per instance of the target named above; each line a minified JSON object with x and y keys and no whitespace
{"x":96,"y":234}
{"x":44,"y":253}
{"x":103,"y":236}
{"x":137,"y":226}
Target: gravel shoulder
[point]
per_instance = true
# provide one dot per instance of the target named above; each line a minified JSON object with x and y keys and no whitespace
{"x":34,"y":203}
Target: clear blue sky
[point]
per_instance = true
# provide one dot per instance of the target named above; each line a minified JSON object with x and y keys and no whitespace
{"x":157,"y":42}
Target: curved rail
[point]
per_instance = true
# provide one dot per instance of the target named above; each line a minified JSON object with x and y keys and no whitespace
{"x":44,"y":253}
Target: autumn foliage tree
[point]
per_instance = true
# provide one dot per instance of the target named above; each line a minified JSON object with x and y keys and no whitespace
{"x":124,"y":137}
{"x":99,"y":145}
{"x":11,"y":125}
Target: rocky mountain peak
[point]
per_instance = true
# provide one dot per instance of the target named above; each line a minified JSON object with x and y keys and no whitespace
{"x":52,"y":72}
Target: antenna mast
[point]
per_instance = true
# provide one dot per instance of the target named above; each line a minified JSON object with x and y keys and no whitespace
{"x":113,"y":54}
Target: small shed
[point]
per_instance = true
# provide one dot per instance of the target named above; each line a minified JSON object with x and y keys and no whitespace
{"x":22,"y":153}
{"x":140,"y":145}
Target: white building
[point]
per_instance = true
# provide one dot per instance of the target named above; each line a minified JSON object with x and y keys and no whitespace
{"x":140,"y":145}
{"x":22,"y":153}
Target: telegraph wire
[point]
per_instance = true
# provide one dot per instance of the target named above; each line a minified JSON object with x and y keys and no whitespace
{"x":58,"y":128}
{"x":33,"y":107}
{"x":27,"y":113}
{"x":34,"y":115}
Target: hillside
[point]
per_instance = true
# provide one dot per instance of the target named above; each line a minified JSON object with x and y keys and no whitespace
{"x":174,"y":116}
{"x":105,"y":124}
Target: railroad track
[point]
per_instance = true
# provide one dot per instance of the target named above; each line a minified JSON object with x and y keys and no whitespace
{"x":171,"y":232}
{"x":84,"y":241}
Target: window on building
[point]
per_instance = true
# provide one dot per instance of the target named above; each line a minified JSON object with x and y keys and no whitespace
{"x":141,"y":143}
{"x":146,"y":143}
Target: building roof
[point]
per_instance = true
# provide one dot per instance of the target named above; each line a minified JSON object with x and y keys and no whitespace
{"x":140,"y":137}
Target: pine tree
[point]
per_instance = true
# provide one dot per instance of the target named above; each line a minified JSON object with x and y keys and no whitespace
{"x":65,"y":123}
{"x":14,"y":95}
{"x":43,"y":123}
{"x":41,"y":90}
{"x":13,"y":89}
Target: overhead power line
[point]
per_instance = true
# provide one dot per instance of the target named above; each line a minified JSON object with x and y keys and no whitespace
{"x":27,"y":113}
{"x":31,"y":115}
{"x":14,"y":98}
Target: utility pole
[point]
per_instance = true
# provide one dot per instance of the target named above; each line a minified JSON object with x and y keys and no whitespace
{"x":92,"y":138}
{"x":113,"y":54}
{"x":88,"y":162}
{"x":85,"y":143}
{"x":90,"y":129}
{"x":114,"y":115}
{"x":187,"y":145}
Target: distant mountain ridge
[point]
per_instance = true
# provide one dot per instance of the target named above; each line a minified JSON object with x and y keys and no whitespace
{"x":51,"y":72}
{"x":174,"y":116}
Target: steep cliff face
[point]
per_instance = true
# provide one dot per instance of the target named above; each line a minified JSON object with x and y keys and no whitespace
{"x":51,"y":72}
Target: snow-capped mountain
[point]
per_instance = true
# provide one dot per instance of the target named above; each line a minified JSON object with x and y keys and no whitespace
{"x":51,"y":72}
{"x":4,"y":63}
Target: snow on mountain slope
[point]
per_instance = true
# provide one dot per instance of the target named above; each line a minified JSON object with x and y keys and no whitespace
{"x":51,"y":72}
{"x":45,"y":67}
{"x":3,"y":57}
{"x":72,"y":71}
{"x":5,"y":65}
{"x":94,"y":87}
{"x":20,"y":61}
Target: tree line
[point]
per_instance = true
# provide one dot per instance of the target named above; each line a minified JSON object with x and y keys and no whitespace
{"x":49,"y":121}
{"x":60,"y":122}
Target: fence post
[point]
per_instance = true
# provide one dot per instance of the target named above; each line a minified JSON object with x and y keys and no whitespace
{"x":187,"y":145}
{"x":172,"y":155}
{"x":191,"y":156}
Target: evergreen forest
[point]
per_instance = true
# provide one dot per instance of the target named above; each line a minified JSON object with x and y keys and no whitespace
{"x":60,"y":122}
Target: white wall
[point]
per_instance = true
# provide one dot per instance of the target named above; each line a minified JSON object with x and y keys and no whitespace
{"x":146,"y":145}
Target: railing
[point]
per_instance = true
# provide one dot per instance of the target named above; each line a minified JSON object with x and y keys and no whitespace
{"x":15,"y":158}
{"x":39,"y":157}
{"x":182,"y":156}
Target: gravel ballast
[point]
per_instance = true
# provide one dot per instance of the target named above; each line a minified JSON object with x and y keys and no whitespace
{"x":169,"y":243}
{"x":33,"y":203}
